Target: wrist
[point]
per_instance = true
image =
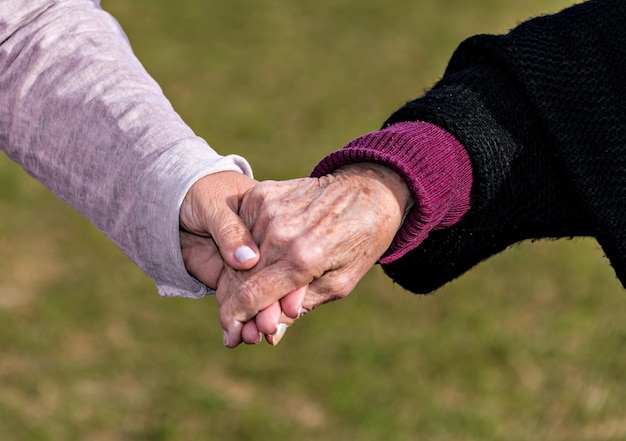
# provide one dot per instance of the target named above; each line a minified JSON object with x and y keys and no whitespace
{"x":389,"y":185}
{"x":431,"y":162}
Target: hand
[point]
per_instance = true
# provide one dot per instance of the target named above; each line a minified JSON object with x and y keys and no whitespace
{"x":317,"y":238}
{"x":211,"y":232}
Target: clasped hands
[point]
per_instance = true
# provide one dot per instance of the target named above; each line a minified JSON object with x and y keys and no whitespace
{"x":275,"y":250}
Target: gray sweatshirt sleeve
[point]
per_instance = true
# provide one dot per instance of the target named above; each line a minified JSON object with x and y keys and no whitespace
{"x":81,"y":115}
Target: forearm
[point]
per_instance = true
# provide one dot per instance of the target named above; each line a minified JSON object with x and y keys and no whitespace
{"x":81,"y":115}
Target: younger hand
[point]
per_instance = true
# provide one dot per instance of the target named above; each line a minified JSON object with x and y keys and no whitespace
{"x":211,"y":232}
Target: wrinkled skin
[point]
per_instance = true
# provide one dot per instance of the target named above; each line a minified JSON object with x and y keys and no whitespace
{"x":317,"y":238}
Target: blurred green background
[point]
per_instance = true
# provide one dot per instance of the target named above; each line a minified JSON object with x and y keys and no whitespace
{"x":526,"y":346}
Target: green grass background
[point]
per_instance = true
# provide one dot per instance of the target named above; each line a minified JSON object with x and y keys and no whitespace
{"x":526,"y":346}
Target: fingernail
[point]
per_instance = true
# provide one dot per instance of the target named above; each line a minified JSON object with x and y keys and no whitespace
{"x":244,"y":253}
{"x":281,"y":328}
{"x":225,"y":338}
{"x":260,"y":338}
{"x":300,"y":311}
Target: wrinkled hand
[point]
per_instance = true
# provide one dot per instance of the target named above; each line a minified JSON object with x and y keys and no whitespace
{"x":317,"y":237}
{"x":211,"y":232}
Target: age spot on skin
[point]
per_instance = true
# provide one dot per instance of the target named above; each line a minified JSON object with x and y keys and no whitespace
{"x":367,"y":191}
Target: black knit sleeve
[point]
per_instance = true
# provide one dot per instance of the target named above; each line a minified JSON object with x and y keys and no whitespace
{"x":542,"y":114}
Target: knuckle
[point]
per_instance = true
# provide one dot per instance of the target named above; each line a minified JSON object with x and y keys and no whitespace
{"x":307,"y":255}
{"x":262,"y":191}
{"x":247,"y":294}
{"x":229,"y":231}
{"x":338,"y":286}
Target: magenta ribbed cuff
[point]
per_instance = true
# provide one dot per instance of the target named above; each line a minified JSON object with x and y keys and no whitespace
{"x":434,"y":166}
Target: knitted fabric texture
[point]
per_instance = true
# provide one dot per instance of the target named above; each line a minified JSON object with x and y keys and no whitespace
{"x":541,"y":112}
{"x":434,"y":166}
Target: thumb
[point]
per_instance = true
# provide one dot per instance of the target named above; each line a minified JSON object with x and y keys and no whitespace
{"x":234,"y":241}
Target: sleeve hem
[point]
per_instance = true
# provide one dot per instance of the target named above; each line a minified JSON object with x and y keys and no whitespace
{"x":433,"y":164}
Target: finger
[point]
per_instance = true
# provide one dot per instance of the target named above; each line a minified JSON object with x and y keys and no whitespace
{"x":311,"y":301}
{"x":284,"y":324}
{"x":250,"y":334}
{"x":291,"y":304}
{"x":273,"y":321}
{"x":234,"y":241}
{"x":201,"y":258}
{"x":232,"y":336}
{"x":267,"y":320}
{"x":242,"y":299}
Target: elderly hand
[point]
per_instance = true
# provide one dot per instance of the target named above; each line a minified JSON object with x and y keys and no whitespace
{"x":317,"y":237}
{"x":212,"y":233}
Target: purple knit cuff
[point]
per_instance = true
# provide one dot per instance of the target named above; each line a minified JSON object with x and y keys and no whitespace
{"x":434,"y":166}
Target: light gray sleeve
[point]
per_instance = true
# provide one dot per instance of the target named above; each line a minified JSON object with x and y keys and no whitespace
{"x":81,"y":115}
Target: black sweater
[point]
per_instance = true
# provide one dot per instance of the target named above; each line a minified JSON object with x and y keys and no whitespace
{"x":542,"y":114}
